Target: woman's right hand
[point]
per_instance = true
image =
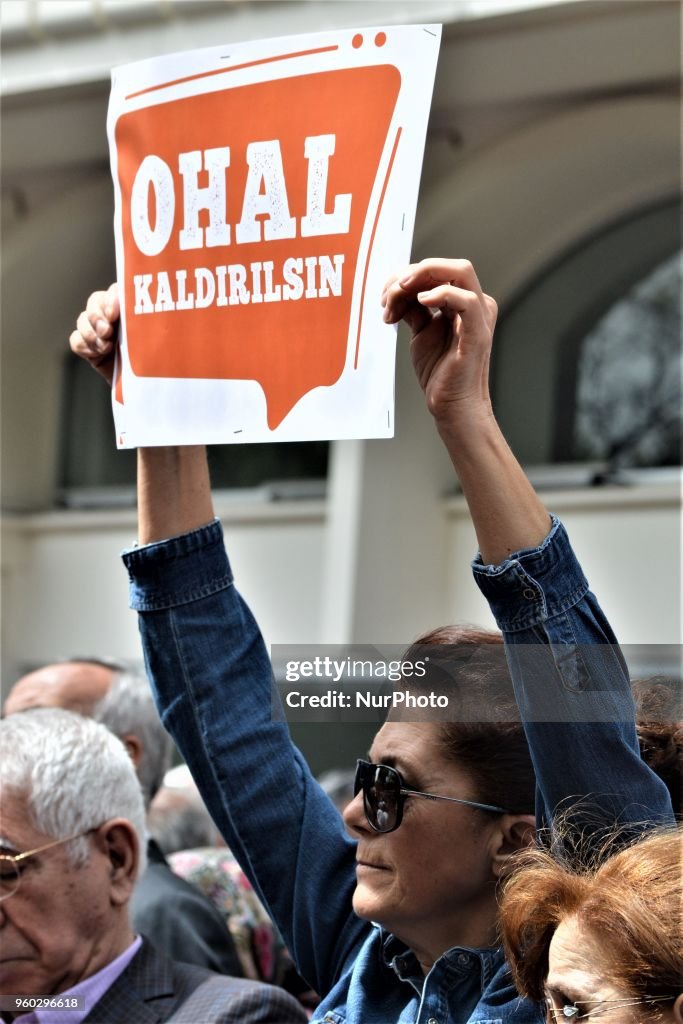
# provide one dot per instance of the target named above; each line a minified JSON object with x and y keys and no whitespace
{"x":96,"y":334}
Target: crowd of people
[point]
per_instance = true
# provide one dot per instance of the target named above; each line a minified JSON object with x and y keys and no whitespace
{"x":519,"y":862}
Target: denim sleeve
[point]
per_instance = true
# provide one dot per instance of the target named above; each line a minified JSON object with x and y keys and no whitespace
{"x":212,"y":682}
{"x":573,"y":691}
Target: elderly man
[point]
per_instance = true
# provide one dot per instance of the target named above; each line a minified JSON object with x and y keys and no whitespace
{"x":181,"y":920}
{"x":71,"y":818}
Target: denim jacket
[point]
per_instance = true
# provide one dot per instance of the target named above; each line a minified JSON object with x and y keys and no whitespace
{"x":212,"y":681}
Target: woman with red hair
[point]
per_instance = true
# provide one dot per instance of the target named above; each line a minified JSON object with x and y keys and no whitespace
{"x":602,"y":944}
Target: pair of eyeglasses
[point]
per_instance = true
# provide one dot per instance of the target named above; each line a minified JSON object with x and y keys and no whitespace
{"x":384,"y":795}
{"x":11,"y":863}
{"x":576,"y":1009}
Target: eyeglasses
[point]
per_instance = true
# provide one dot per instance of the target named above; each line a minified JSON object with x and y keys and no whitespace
{"x":10,"y":870}
{"x":573,"y":1011}
{"x":384,"y":795}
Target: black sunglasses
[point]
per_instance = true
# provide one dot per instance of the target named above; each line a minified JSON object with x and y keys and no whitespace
{"x":384,"y":795}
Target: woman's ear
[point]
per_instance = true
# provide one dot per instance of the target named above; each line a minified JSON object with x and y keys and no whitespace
{"x":678,"y":1010}
{"x":515,"y":832}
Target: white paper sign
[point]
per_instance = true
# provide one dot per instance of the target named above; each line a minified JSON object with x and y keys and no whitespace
{"x":264,"y":193}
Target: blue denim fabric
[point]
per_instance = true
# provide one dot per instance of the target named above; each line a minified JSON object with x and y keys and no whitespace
{"x":213,"y":685}
{"x":573,"y":692}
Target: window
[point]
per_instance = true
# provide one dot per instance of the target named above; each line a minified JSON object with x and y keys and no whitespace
{"x":627,"y":409}
{"x":92,"y":471}
{"x":587,"y":358}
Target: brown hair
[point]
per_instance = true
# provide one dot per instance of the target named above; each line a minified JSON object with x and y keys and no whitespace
{"x":487,"y":740}
{"x":660,"y":732}
{"x":630,"y":902}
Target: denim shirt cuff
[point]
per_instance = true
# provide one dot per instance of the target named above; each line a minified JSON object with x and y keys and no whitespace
{"x":533,"y":585}
{"x":177,"y":571}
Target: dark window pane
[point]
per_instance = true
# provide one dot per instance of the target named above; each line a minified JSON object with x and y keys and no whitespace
{"x":586,"y":361}
{"x":248,"y":465}
{"x":627,"y":404}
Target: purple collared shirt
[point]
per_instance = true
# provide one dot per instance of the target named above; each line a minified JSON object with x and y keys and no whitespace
{"x":89,"y":991}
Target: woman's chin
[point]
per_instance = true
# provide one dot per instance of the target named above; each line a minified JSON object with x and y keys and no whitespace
{"x":366,"y":904}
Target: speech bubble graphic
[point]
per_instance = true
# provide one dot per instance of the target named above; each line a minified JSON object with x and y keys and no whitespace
{"x":242,"y":216}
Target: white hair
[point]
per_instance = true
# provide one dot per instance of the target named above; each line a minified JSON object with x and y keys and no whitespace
{"x":74,"y":773}
{"x":178,"y":820}
{"x":128,"y":708}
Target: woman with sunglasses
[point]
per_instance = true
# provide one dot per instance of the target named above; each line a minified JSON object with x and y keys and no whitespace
{"x":603,"y":944}
{"x":399,"y":923}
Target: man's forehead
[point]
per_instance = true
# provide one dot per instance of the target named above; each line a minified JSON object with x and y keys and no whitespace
{"x":74,"y":686}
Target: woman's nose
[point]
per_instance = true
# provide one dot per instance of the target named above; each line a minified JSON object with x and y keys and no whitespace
{"x":354,"y":817}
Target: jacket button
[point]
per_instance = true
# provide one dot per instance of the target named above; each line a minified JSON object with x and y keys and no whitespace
{"x":529,"y":594}
{"x":432,"y":1020}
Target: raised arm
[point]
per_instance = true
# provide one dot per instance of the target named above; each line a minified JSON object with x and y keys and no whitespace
{"x":174,"y":491}
{"x":570,"y":679}
{"x":211,"y":678}
{"x":452,"y":323}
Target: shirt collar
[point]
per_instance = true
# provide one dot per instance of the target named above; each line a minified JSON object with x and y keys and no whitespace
{"x":459,"y":959}
{"x":88,"y":992}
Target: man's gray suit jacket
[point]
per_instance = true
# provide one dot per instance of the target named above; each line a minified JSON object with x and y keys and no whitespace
{"x":180,"y":920}
{"x":155,"y":989}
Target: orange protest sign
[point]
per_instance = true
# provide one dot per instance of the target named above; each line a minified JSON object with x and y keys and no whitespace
{"x":247,"y":224}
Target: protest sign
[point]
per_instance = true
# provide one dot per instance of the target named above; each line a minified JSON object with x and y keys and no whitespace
{"x":264,"y":191}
